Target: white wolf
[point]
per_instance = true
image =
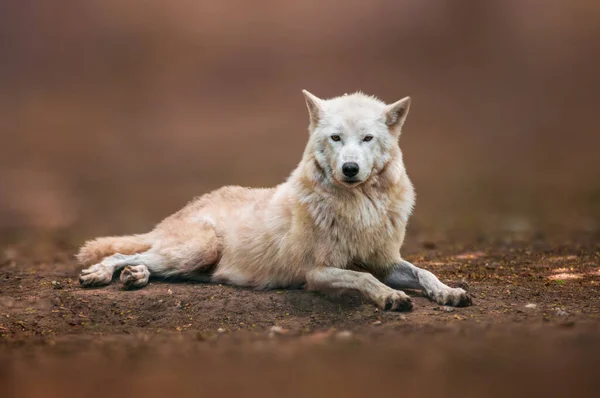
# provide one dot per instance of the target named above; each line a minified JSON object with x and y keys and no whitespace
{"x":336,"y":224}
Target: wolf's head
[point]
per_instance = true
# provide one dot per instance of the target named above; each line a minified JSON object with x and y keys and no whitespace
{"x":354,"y":136}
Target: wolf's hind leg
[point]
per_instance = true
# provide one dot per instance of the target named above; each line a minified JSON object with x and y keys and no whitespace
{"x":101,"y":274}
{"x":189,"y":255}
{"x":335,"y":279}
{"x":407,"y":276}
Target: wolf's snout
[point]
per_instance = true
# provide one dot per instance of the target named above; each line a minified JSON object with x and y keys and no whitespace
{"x":350,"y":169}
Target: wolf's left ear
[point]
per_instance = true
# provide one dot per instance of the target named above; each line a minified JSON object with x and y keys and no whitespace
{"x":395,"y":114}
{"x":315,"y":108}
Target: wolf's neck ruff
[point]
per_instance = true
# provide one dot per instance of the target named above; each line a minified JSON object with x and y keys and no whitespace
{"x":370,"y":205}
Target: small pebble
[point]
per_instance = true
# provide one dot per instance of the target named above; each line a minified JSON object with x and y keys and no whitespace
{"x":56,"y":285}
{"x":376,"y":323}
{"x":344,"y":335}
{"x":276,"y":330}
{"x":531,"y":305}
{"x":561,"y":312}
{"x":221,"y":330}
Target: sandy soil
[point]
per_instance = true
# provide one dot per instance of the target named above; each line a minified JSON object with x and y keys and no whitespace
{"x":534,"y":329}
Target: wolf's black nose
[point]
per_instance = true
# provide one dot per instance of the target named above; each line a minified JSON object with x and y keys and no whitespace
{"x":350,"y":169}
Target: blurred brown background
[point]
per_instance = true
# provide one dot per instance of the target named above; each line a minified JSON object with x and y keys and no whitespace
{"x":113,"y":113}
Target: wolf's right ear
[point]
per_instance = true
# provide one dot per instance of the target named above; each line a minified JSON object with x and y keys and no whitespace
{"x":315,"y":108}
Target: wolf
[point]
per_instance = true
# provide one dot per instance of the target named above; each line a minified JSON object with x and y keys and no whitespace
{"x":337,"y":224}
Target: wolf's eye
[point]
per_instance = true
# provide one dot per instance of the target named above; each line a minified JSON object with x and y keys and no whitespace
{"x":368,"y":138}
{"x":335,"y":137}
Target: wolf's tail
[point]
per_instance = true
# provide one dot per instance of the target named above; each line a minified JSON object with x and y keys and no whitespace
{"x":93,"y":251}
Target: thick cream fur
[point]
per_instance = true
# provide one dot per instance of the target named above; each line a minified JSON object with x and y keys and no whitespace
{"x":267,"y":238}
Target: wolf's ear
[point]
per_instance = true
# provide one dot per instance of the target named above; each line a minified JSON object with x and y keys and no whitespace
{"x":315,"y":108}
{"x":395,"y":114}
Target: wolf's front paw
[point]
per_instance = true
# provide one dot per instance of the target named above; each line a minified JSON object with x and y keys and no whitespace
{"x":452,"y":297}
{"x":395,"y":300}
{"x":96,"y":275}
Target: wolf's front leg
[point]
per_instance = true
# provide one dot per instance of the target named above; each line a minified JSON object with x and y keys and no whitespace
{"x":335,"y":279}
{"x":407,"y":276}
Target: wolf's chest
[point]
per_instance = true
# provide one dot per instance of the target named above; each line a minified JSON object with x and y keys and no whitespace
{"x":358,"y":228}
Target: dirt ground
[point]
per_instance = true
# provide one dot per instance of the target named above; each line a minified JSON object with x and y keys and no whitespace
{"x":533,"y":330}
{"x":115,"y":113}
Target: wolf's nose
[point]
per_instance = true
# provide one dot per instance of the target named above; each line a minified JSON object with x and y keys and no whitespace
{"x":350,"y":169}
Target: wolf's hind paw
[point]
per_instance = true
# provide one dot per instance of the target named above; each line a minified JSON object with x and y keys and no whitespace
{"x":96,"y":275}
{"x":135,"y":276}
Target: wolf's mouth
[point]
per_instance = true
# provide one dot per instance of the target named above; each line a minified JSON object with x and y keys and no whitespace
{"x":351,"y":182}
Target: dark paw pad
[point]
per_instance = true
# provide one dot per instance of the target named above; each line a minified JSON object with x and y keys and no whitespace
{"x":388,"y":304}
{"x":465,"y":301}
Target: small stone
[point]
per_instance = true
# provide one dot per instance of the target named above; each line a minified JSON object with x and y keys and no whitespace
{"x":447,"y":309}
{"x":56,"y":285}
{"x":344,"y":335}
{"x":221,"y":330}
{"x":277,"y":330}
{"x":376,"y":323}
{"x":531,"y":306}
{"x":561,"y":312}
